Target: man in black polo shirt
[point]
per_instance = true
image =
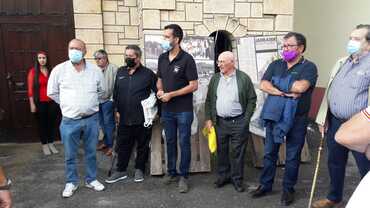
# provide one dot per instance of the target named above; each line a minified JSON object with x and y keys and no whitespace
{"x":177,"y":80}
{"x":304,"y":76}
{"x":134,"y":83}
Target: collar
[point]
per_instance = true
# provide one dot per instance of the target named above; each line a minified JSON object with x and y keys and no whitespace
{"x":232,"y":75}
{"x":361,"y":58}
{"x":178,"y":56}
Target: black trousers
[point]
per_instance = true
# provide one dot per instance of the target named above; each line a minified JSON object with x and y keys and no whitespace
{"x":46,"y":116}
{"x":232,"y":135}
{"x":127,"y":136}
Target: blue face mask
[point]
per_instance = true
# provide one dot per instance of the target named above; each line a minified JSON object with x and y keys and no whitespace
{"x":353,"y":46}
{"x":75,"y":56}
{"x":166,"y":45}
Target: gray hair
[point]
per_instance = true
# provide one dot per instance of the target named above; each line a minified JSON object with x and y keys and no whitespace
{"x":136,"y":49}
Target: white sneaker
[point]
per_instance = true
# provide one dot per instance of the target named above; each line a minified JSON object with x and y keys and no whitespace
{"x":45,"y":149}
{"x":53,"y":149}
{"x":96,"y":185}
{"x":69,"y":190}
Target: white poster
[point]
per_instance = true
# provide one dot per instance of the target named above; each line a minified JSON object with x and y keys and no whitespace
{"x":247,"y":57}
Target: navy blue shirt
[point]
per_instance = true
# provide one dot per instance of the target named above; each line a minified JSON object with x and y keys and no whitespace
{"x":303,"y":70}
{"x":175,"y":75}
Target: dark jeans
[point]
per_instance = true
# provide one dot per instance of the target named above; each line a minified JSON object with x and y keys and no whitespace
{"x":127,"y":136}
{"x":231,"y":134}
{"x":294,"y":143}
{"x":337,"y":161}
{"x":181,"y":123}
{"x":46,"y":116}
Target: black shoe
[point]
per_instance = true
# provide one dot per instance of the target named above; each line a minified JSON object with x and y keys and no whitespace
{"x":221,"y":182}
{"x":239,"y":187}
{"x":287,"y":198}
{"x":259,"y":192}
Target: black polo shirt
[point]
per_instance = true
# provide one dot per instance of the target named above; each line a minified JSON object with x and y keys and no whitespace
{"x":176,"y":75}
{"x":303,"y":70}
{"x":130,"y":90}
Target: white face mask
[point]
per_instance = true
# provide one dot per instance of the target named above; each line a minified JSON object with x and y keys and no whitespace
{"x":75,"y":56}
{"x":353,"y":47}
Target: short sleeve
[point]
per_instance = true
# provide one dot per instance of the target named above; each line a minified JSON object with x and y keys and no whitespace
{"x":191,"y":72}
{"x":309,"y":73}
{"x":269,"y":72}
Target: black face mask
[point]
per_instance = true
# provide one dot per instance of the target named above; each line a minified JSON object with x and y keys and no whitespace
{"x":130,"y":62}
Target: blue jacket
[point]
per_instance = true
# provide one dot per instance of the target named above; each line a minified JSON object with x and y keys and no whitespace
{"x":278,"y":112}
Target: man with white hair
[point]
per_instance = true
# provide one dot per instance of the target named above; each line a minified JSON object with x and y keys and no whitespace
{"x":229,"y":106}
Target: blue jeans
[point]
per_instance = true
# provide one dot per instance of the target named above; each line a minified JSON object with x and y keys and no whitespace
{"x":294,"y":143}
{"x":71,"y":132}
{"x":180,"y":122}
{"x":106,"y":121}
{"x":337,"y":161}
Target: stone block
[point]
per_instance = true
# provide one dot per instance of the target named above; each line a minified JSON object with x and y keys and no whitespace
{"x":256,"y":10}
{"x":114,"y":28}
{"x":90,"y":36}
{"x":151,"y":19}
{"x":109,"y":18}
{"x":134,"y":16}
{"x":201,"y":30}
{"x":261,"y":24}
{"x":115,"y":49}
{"x":83,"y":6}
{"x":122,"y":18}
{"x":219,"y":6}
{"x":284,"y":23}
{"x":240,"y":31}
{"x":159,"y":4}
{"x":110,"y":6}
{"x":194,"y":12}
{"x":131,"y":32}
{"x":183,"y":25}
{"x":88,"y":21}
{"x":164,"y":15}
{"x":90,"y":50}
{"x":180,"y":6}
{"x":110,"y":38}
{"x":242,"y":9}
{"x":278,"y":6}
{"x":176,"y":15}
{"x":130,"y":3}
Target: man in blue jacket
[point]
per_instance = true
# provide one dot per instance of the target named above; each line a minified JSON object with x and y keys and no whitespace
{"x":305,"y":73}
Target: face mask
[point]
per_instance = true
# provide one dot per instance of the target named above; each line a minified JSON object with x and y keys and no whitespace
{"x":130,"y":62}
{"x":289,"y":55}
{"x":353,"y":47}
{"x":166,"y":45}
{"x":75,"y":56}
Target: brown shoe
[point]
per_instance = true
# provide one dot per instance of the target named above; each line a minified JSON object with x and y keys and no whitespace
{"x":324,"y":203}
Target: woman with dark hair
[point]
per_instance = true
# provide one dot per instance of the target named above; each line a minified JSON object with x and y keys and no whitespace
{"x":44,"y":109}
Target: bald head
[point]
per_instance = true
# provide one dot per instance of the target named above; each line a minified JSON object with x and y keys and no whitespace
{"x":77,"y":44}
{"x":226,"y":62}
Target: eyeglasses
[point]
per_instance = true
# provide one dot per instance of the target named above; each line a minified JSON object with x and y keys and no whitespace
{"x":99,"y":58}
{"x":220,"y":62}
{"x":288,"y":46}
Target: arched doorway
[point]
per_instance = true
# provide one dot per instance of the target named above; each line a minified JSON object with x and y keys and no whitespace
{"x":223,"y":42}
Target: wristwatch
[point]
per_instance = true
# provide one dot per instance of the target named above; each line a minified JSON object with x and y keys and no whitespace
{"x":7,"y":185}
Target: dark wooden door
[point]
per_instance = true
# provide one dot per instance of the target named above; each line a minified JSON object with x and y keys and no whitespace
{"x":28,"y":26}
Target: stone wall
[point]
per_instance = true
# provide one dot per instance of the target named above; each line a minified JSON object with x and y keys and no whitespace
{"x":113,"y":24}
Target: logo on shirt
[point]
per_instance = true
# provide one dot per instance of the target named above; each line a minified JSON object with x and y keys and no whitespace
{"x":122,"y":77}
{"x":176,"y":69}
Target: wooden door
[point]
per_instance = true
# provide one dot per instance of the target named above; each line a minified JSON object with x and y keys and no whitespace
{"x":28,"y":26}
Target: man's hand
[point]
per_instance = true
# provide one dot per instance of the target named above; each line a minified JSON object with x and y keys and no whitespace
{"x":117,"y":117}
{"x":208,"y":125}
{"x":292,"y":95}
{"x":5,"y":199}
{"x":165,"y":97}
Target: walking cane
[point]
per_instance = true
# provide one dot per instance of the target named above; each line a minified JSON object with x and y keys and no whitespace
{"x":316,"y":170}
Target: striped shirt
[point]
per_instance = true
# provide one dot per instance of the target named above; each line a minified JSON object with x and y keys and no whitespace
{"x":227,"y":103}
{"x":348,"y":93}
{"x":366,"y":113}
{"x":78,"y":93}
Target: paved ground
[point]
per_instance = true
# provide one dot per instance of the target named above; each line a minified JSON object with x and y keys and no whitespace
{"x":38,"y":182}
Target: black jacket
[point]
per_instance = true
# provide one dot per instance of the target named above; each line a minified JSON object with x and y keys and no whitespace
{"x":130,"y":90}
